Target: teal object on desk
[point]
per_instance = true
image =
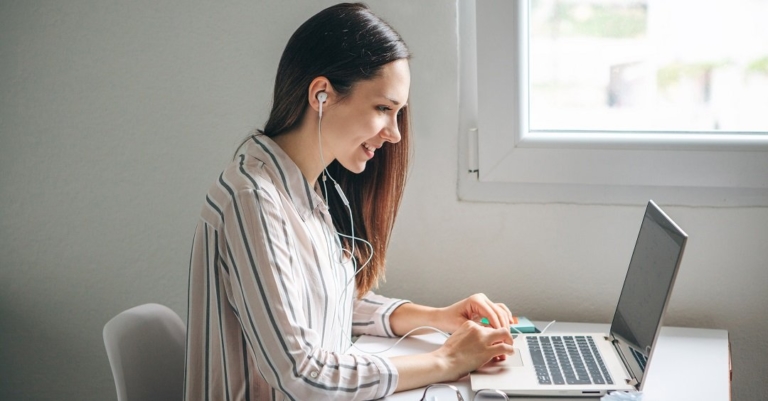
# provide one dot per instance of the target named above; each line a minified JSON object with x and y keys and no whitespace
{"x":523,"y":325}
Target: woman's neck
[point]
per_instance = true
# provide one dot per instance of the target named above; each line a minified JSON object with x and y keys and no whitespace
{"x":302,"y":146}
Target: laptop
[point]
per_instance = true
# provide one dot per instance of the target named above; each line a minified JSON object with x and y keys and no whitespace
{"x":593,"y":364}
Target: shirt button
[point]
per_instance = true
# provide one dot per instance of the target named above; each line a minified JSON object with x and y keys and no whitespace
{"x":313,"y":374}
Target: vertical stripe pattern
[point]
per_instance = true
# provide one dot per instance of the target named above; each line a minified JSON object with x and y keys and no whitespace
{"x":271,"y":302}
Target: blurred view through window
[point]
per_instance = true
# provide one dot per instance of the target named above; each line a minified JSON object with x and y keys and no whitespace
{"x":648,"y":65}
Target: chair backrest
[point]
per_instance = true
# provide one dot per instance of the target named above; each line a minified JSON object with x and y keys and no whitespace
{"x":145,"y":346}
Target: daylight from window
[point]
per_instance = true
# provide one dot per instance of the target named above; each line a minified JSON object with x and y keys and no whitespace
{"x":648,"y":65}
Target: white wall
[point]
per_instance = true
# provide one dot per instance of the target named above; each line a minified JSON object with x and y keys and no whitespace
{"x":115,"y":117}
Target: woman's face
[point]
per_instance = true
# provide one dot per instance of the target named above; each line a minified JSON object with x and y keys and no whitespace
{"x":355,"y":127}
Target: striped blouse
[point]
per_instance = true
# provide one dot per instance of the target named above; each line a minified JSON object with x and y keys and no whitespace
{"x":272,"y":302}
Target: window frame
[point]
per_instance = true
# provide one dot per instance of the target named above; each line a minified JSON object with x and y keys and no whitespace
{"x":503,"y":161}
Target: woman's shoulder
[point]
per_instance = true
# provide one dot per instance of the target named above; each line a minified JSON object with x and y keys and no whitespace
{"x":243,"y":176}
{"x":246,"y":174}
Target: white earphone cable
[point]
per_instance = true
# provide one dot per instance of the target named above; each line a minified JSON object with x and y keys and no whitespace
{"x":321,"y":97}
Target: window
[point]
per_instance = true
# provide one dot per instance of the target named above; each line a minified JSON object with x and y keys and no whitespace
{"x":614,"y":102}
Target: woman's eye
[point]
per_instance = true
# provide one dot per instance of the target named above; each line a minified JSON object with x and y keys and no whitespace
{"x":384,"y":109}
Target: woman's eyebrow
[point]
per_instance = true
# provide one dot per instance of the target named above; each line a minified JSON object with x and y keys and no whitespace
{"x":395,"y":102}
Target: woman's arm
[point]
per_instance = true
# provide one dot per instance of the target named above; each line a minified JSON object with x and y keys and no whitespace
{"x":410,"y":316}
{"x":468,"y":348}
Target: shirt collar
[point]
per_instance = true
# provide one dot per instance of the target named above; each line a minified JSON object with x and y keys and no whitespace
{"x":286,"y":173}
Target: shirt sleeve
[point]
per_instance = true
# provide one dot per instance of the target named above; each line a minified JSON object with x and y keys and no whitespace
{"x":264,"y":279}
{"x":371,"y":315}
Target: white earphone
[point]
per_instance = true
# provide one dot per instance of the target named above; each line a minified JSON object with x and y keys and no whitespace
{"x":321,"y":97}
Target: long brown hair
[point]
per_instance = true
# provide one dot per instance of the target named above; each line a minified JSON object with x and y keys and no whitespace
{"x":347,"y":43}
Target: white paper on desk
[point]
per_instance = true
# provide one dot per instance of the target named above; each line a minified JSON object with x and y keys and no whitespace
{"x":418,"y":344}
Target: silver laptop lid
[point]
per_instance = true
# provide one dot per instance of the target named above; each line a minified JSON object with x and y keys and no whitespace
{"x":647,"y":286}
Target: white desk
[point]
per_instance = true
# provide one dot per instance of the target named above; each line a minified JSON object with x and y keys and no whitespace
{"x":688,"y":364}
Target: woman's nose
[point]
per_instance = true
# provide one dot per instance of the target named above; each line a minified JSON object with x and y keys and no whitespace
{"x":391,"y":133}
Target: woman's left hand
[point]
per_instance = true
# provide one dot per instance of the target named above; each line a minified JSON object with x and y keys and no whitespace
{"x":476,"y":307}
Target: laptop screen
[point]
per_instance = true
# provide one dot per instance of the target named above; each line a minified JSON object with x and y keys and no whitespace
{"x":651,"y":274}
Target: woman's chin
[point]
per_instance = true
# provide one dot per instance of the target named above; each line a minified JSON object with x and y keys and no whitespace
{"x":356,"y":168}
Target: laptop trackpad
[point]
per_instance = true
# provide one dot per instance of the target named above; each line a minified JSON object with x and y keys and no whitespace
{"x":512,"y":361}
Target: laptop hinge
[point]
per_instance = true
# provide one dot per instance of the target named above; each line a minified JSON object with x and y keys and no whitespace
{"x":632,"y":377}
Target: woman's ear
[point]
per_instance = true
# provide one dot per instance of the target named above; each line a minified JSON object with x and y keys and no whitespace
{"x":320,"y":89}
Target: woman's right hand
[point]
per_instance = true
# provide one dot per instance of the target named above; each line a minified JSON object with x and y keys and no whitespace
{"x":472,"y":346}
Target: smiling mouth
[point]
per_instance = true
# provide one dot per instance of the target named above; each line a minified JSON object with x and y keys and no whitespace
{"x":369,"y":148}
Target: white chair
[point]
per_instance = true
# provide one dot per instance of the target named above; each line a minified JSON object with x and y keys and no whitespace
{"x":145,"y":346}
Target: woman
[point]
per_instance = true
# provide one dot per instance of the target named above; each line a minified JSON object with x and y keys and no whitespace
{"x":283,"y":263}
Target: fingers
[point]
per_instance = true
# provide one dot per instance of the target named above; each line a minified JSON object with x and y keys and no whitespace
{"x":498,"y":314}
{"x":493,"y":315}
{"x":505,"y":315}
{"x":502,"y":335}
{"x":490,"y":343}
{"x":474,"y":345}
{"x":501,"y":349}
{"x":488,"y":335}
{"x":512,"y":318}
{"x":497,"y":337}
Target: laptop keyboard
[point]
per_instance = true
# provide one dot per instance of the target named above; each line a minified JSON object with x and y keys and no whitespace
{"x":563,"y":360}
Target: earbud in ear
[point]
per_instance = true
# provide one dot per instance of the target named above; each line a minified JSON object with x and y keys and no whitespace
{"x":321,"y":96}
